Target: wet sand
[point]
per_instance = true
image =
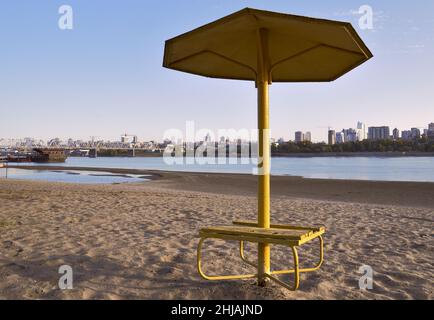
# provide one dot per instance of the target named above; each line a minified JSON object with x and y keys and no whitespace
{"x":411,"y":194}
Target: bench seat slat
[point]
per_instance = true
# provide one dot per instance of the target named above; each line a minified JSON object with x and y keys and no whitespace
{"x":278,"y":226}
{"x":272,"y":233}
{"x":250,"y":238}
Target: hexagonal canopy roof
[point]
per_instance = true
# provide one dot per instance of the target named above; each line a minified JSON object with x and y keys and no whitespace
{"x":299,"y":49}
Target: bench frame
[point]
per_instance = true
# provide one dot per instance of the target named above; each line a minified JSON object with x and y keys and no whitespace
{"x":313,"y":234}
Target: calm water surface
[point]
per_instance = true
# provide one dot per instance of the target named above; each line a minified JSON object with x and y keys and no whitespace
{"x":355,"y":168}
{"x":71,"y":176}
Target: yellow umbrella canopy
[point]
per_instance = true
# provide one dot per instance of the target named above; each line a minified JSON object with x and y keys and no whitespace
{"x":265,"y":46}
{"x":299,"y":49}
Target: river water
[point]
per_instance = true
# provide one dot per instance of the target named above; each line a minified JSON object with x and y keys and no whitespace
{"x":420,"y":169}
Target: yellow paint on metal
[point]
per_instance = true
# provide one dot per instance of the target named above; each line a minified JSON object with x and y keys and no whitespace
{"x":215,"y":278}
{"x":287,"y":271}
{"x":270,"y":275}
{"x":263,"y":68}
{"x":268,"y":233}
{"x":296,"y":273}
{"x":278,"y":226}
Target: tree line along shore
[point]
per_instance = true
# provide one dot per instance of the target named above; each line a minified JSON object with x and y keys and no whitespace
{"x":380,"y":148}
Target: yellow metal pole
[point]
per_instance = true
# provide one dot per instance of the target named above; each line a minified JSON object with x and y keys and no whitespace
{"x":264,"y":155}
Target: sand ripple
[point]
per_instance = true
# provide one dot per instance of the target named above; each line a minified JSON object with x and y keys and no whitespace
{"x":138,"y":242}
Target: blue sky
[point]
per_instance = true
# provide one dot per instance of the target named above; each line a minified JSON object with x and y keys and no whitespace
{"x":104,"y":77}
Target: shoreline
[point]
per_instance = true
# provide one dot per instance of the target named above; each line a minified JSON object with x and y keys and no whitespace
{"x":355,"y":155}
{"x":374,"y":154}
{"x":407,"y":194}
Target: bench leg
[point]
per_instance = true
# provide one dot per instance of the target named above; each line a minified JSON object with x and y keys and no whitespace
{"x":243,"y":257}
{"x":296,"y":272}
{"x":316,"y":267}
{"x":214,"y":278}
{"x":296,"y":269}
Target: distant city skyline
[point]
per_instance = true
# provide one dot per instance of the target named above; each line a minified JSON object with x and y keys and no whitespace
{"x":104,"y":76}
{"x":359,"y":133}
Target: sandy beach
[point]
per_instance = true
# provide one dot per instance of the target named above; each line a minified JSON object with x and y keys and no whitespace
{"x":138,"y":241}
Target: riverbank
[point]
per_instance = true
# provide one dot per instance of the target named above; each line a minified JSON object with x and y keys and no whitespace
{"x":354,"y":154}
{"x":138,"y":241}
{"x":299,"y":155}
{"x":411,"y":194}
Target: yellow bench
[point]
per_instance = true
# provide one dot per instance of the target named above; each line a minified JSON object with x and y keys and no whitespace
{"x":246,"y":231}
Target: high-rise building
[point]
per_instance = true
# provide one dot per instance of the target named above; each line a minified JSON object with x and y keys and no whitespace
{"x":299,"y":137}
{"x":361,"y":131}
{"x":303,"y":137}
{"x":379,"y":133}
{"x":430,"y":133}
{"x":349,"y":135}
{"x":339,"y":137}
{"x":415,"y":133}
{"x":395,"y":134}
{"x":406,"y":135}
{"x":332,"y":137}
